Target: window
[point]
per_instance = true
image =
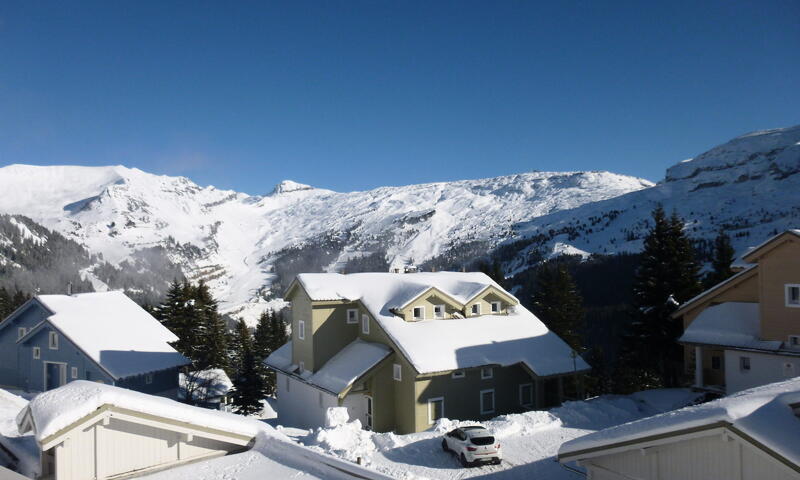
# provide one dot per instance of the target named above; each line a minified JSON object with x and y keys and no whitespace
{"x":794,"y":340}
{"x":397,"y":372}
{"x":496,"y":307}
{"x":352,"y":316}
{"x":148,"y":379}
{"x":435,"y":409}
{"x":487,"y":401}
{"x":37,"y":353}
{"x":301,"y":329}
{"x":476,"y":309}
{"x":716,"y":362}
{"x":21,"y":331}
{"x":53,"y":341}
{"x":73,"y":372}
{"x":419,"y":313}
{"x":365,"y":324}
{"x":458,"y":374}
{"x":793,"y":295}
{"x":526,"y":394}
{"x":302,"y":367}
{"x":744,"y":363}
{"x":438,"y":311}
{"x":486,"y":372}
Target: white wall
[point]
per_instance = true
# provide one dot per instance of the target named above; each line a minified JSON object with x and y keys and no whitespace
{"x":301,"y":405}
{"x":764,"y":369}
{"x":707,"y":456}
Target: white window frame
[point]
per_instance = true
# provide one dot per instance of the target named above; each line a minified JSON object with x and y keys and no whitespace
{"x":148,"y":378}
{"x":52,"y":340}
{"x":484,"y":376}
{"x":301,"y":329}
{"x":37,"y":353}
{"x":787,"y":288}
{"x":521,"y":387}
{"x":499,"y":306}
{"x":442,"y":312}
{"x":485,"y":411}
{"x":62,"y":374}
{"x":397,"y":372}
{"x":744,"y":364}
{"x":365,"y":324}
{"x":352,"y":316}
{"x":458,"y":374}
{"x":73,"y":372}
{"x":21,"y":332}
{"x":414,"y":313}
{"x":473,"y":308}
{"x":430,"y":402}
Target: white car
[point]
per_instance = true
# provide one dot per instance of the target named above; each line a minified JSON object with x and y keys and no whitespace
{"x":473,"y":445}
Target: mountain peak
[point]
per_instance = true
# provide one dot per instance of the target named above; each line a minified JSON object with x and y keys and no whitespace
{"x":287,"y":186}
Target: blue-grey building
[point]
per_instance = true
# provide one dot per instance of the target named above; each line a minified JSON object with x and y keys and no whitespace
{"x":104,"y":337}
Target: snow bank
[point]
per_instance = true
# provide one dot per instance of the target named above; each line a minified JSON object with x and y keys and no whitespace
{"x":764,"y":413}
{"x":336,"y":416}
{"x":448,"y":344}
{"x":55,"y":409}
{"x":21,"y":446}
{"x":731,"y":324}
{"x":114,"y":331}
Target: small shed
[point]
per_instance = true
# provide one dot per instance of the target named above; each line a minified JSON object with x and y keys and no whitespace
{"x":752,"y":435}
{"x":87,"y":430}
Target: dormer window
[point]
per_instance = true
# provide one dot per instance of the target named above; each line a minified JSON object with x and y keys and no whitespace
{"x":476,"y":309}
{"x":352,"y":316}
{"x":419,"y":313}
{"x":438,"y":311}
{"x":793,"y":296}
{"x":496,"y":307}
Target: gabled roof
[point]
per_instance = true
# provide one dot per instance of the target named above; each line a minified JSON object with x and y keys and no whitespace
{"x":753,"y":254}
{"x":765,"y":415}
{"x":439,"y":345}
{"x":342,"y":370}
{"x":717,"y":289}
{"x":113,"y":331}
{"x":729,"y":324}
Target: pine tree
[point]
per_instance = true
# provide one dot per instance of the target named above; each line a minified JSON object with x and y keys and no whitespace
{"x":5,"y":304}
{"x":262,"y":339}
{"x":278,"y":329}
{"x":667,"y":275}
{"x":249,"y":385}
{"x":236,"y":347}
{"x":557,"y":302}
{"x":722,"y":261}
{"x":211,"y":349}
{"x":179,"y":314}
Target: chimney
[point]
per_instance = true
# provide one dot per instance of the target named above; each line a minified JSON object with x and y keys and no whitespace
{"x":69,"y":288}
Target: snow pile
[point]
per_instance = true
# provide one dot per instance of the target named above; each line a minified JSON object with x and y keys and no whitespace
{"x":204,"y":384}
{"x":448,"y":344}
{"x":55,"y":409}
{"x":336,"y":416}
{"x":114,"y":331}
{"x":765,"y":413}
{"x":732,"y":324}
{"x":22,"y":447}
{"x":348,"y":441}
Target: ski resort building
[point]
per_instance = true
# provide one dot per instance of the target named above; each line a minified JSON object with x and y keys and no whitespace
{"x":403,"y":350}
{"x":751,"y":435}
{"x":745,"y":331}
{"x":102,"y":337}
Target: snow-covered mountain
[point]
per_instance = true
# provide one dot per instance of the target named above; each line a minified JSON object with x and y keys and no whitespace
{"x":241,"y":244}
{"x":750,"y":186}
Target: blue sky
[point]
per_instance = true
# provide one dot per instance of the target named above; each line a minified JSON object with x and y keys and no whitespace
{"x":352,"y":95}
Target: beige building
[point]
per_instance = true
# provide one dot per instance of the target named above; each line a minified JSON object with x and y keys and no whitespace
{"x":752,"y":435}
{"x":401,"y":351}
{"x":745,"y":331}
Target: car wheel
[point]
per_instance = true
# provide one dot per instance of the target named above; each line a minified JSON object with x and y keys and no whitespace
{"x":464,"y":462}
{"x":444,"y":446}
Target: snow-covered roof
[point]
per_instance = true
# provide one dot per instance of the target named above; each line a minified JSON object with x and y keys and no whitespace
{"x":342,"y":370}
{"x":748,"y":269}
{"x":764,"y":413}
{"x":449,"y":344}
{"x":56,"y":409}
{"x":730,"y":324}
{"x":114,"y":331}
{"x":204,"y":384}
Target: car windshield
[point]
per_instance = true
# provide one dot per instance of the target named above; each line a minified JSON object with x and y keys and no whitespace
{"x":482,"y":440}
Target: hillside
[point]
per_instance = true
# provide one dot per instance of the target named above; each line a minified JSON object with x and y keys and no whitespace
{"x":244,"y":245}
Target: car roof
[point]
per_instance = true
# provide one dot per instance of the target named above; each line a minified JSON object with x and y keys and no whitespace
{"x":477,"y":431}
